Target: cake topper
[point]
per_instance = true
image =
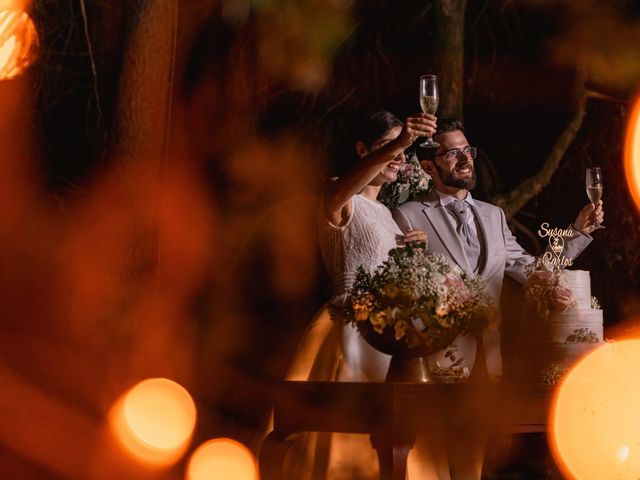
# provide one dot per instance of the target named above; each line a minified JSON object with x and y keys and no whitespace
{"x":554,"y":255}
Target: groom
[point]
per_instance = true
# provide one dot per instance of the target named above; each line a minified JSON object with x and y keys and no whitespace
{"x":475,"y":235}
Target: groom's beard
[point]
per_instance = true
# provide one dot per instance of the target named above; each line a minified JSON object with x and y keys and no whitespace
{"x":450,"y":180}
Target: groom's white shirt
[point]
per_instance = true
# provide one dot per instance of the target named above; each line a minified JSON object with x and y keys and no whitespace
{"x":502,"y":256}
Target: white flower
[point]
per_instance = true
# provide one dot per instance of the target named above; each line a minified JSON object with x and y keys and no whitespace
{"x":418,"y":324}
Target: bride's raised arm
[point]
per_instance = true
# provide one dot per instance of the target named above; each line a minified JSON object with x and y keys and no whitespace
{"x":376,"y":155}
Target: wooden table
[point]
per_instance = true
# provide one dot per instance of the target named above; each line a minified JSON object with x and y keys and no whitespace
{"x":393,"y":413}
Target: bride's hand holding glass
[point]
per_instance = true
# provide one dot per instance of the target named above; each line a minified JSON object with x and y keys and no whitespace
{"x":418,"y":125}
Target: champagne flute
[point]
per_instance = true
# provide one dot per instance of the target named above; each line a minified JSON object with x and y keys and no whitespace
{"x":429,"y":102}
{"x":594,"y":186}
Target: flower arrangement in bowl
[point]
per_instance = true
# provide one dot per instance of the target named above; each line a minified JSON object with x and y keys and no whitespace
{"x":412,"y":182}
{"x":416,"y":302}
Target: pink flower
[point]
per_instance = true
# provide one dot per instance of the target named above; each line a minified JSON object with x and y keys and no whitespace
{"x":541,"y":278}
{"x":454,"y":282}
{"x":561,"y":298}
{"x":406,"y":169}
{"x":459,"y":289}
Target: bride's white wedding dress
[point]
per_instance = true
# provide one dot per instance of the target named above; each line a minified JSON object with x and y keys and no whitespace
{"x":364,"y":240}
{"x":331,"y":351}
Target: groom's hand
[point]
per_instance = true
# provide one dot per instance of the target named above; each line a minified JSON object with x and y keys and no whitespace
{"x":589,"y":218}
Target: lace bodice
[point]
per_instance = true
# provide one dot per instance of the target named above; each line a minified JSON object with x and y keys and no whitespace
{"x":364,"y":240}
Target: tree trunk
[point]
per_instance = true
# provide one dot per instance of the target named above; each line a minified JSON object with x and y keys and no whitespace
{"x":449,"y":48}
{"x":146,"y":84}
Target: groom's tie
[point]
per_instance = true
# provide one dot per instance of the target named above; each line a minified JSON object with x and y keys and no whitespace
{"x":470,"y":242}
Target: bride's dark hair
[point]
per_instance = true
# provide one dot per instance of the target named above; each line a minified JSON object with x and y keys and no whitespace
{"x":373,"y":126}
{"x":352,"y":128}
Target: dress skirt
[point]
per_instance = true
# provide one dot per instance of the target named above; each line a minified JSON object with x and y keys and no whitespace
{"x":321,"y":356}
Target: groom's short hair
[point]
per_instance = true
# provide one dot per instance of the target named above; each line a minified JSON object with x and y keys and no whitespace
{"x":448,"y":124}
{"x":445,"y":124}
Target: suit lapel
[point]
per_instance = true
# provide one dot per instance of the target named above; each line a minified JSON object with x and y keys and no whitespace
{"x":442,"y":225}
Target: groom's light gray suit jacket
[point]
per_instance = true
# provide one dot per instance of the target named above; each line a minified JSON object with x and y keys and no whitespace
{"x":503,"y":256}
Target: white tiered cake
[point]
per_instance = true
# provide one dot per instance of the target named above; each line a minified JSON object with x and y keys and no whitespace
{"x":573,"y":332}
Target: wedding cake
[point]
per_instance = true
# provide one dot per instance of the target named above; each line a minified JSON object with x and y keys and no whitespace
{"x":571,"y":332}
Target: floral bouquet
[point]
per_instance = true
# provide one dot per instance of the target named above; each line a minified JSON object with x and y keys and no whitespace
{"x":416,"y":302}
{"x":546,"y":288}
{"x":412,"y":182}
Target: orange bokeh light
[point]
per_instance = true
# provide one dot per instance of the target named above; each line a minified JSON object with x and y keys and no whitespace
{"x":18,"y":42}
{"x":15,"y":4}
{"x":222,"y":459}
{"x":594,"y":426}
{"x":154,"y":421}
{"x":632,"y":153}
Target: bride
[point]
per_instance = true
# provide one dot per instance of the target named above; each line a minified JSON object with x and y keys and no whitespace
{"x":355,"y":229}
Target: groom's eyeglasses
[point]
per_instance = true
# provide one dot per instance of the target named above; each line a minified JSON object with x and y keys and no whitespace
{"x":457,"y":154}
